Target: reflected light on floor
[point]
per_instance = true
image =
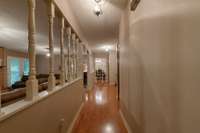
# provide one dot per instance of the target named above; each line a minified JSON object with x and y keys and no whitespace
{"x":86,"y":97}
{"x":108,"y":128}
{"x":99,"y":97}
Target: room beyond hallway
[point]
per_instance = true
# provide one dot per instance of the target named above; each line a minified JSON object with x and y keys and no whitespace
{"x":100,"y":112}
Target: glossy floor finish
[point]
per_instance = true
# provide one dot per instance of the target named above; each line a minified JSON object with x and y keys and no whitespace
{"x":100,"y":113}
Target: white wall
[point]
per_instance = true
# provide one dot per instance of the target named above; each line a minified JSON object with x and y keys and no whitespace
{"x":113,"y":67}
{"x":91,"y":63}
{"x":91,"y":71}
{"x":159,"y":66}
{"x":45,"y":116}
{"x":42,"y":64}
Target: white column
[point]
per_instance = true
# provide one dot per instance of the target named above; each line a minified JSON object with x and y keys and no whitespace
{"x":81,"y":60}
{"x":32,"y":83}
{"x":73,"y":55}
{"x":1,"y":113}
{"x":77,"y":58}
{"x":69,"y":33}
{"x":51,"y":15}
{"x":62,"y":73}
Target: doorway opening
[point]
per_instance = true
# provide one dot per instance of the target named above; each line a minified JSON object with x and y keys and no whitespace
{"x":101,"y":68}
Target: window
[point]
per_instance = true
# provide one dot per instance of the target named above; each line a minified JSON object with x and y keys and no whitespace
{"x":14,"y":70}
{"x":26,"y":67}
{"x":17,"y":67}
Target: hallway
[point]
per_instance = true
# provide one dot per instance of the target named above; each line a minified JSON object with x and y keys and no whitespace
{"x":60,"y":61}
{"x":100,"y":112}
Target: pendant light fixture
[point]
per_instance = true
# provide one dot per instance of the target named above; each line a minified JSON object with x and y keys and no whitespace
{"x":97,"y":9}
{"x":134,"y":4}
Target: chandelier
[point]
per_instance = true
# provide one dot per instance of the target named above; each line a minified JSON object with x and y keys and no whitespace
{"x":97,"y":9}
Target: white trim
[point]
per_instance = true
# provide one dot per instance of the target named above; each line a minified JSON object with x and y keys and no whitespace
{"x":125,"y":122}
{"x":75,"y":119}
{"x":14,"y":108}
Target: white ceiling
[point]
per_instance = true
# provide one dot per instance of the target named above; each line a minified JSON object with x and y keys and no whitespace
{"x":98,"y":31}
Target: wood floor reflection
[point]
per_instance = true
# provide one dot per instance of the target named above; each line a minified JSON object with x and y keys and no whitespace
{"x":100,"y":113}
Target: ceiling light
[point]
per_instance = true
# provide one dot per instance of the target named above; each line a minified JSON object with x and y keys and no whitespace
{"x":97,"y":10}
{"x":97,"y":1}
{"x":107,"y":48}
{"x":134,"y":4}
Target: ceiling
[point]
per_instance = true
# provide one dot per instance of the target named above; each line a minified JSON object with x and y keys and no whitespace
{"x":99,"y":31}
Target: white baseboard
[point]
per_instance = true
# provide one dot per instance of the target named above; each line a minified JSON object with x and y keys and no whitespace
{"x":125,"y":122}
{"x":74,"y":120}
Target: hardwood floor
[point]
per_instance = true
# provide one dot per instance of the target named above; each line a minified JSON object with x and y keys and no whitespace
{"x":100,"y":113}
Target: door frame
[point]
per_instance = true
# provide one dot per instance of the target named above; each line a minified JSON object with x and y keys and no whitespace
{"x":118,"y":71}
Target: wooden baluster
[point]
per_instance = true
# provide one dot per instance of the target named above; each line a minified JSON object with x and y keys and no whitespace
{"x":51,"y":15}
{"x":1,"y":113}
{"x":77,"y":59}
{"x":73,"y":55}
{"x":81,"y":60}
{"x":62,"y":74}
{"x":69,"y":33}
{"x":32,"y":83}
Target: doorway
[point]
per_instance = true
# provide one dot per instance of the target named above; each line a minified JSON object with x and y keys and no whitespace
{"x":101,"y":68}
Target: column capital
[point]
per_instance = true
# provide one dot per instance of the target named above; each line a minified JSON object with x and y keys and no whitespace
{"x":51,"y":8}
{"x":31,"y":3}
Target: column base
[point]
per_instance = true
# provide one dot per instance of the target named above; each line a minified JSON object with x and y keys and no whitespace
{"x":62,"y":78}
{"x":31,"y":89}
{"x":51,"y":82}
{"x":1,"y":113}
{"x":68,"y":78}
